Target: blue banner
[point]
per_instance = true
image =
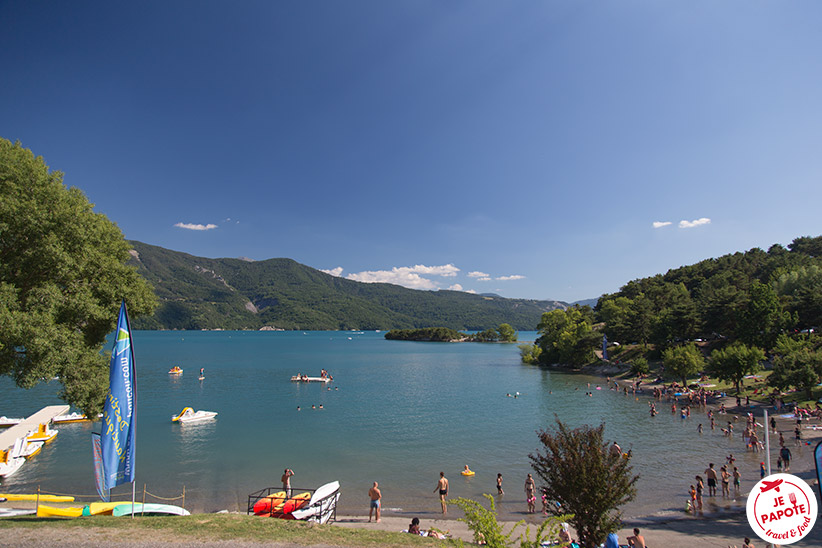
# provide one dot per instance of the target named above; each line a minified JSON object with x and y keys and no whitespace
{"x":817,"y":457}
{"x":118,"y":414}
{"x":97,"y":451}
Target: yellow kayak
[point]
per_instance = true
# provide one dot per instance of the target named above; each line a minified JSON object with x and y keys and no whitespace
{"x":44,"y":511}
{"x":96,"y":508}
{"x":11,"y":497}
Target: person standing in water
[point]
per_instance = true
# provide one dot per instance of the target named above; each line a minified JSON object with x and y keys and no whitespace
{"x":500,"y":492}
{"x":442,"y":487}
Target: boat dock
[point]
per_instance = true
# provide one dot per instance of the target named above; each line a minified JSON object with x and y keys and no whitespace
{"x":44,"y":416}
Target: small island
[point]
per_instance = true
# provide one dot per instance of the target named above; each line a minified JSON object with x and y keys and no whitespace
{"x":504,"y":333}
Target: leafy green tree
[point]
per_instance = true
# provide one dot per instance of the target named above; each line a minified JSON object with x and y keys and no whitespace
{"x":641,"y":318}
{"x":615,"y":311}
{"x":586,"y":478}
{"x":763,"y":318}
{"x":801,"y":288}
{"x":566,"y":336}
{"x":733,"y":362}
{"x":796,"y":363}
{"x":683,"y":361}
{"x":639,"y":366}
{"x":507,"y":333}
{"x":529,"y":353}
{"x":63,"y":273}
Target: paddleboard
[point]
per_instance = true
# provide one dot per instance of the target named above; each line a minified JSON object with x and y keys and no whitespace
{"x":10,"y":512}
{"x":321,"y":506}
{"x":265,"y":504}
{"x":150,"y":508}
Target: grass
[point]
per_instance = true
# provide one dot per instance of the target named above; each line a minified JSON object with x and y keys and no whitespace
{"x":219,"y":527}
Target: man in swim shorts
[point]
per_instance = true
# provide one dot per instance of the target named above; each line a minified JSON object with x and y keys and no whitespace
{"x":442,"y":487}
{"x":711,"y":476}
{"x":376,"y":496}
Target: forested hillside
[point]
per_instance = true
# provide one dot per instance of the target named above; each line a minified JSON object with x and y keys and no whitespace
{"x":751,"y":296}
{"x":201,"y":293}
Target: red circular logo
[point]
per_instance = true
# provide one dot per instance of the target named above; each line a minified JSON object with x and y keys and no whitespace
{"x":781,"y":509}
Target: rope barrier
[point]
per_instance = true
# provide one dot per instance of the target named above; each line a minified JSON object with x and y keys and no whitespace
{"x":114,"y":498}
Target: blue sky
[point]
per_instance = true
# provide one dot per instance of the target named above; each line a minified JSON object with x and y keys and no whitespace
{"x":529,"y":148}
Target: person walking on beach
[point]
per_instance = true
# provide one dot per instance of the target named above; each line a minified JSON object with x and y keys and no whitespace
{"x":785,"y":453}
{"x":376,"y":496}
{"x":500,"y":492}
{"x":286,"y":479}
{"x":442,"y":487}
{"x":710,"y":473}
{"x":530,"y":490}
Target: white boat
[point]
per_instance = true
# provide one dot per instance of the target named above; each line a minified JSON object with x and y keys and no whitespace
{"x":190,"y":415}
{"x":71,"y":417}
{"x":304,"y":378}
{"x":322,"y":505}
{"x":149,"y":508}
{"x":5,"y":422}
{"x":9,"y":463}
{"x":43,"y":433}
{"x":27,"y":449}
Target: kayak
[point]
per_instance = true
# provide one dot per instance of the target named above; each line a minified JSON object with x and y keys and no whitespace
{"x":12,"y":497}
{"x":44,"y":511}
{"x":104,"y":508}
{"x":294,"y":503}
{"x":124,"y":509}
{"x":264,"y":505}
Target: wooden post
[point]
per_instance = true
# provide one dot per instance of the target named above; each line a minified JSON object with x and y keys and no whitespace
{"x":37,"y":504}
{"x":184,"y":497}
{"x":143,"y":511}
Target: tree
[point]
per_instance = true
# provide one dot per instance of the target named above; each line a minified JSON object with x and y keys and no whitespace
{"x":683,"y":361}
{"x":586,"y":478}
{"x":763,"y":318}
{"x":796,"y":363}
{"x":63,"y":274}
{"x":507,"y":333}
{"x":732,"y":363}
{"x":566,"y":336}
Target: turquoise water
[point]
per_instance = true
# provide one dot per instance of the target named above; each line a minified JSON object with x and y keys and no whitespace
{"x":397,"y":413}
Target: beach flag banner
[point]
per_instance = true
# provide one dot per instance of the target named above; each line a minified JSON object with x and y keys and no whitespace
{"x":119,"y":413}
{"x":817,"y":458}
{"x":97,"y":451}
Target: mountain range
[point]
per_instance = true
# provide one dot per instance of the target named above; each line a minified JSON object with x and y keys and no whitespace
{"x":202,"y":293}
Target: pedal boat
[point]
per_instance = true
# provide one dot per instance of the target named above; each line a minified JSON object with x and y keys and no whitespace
{"x":188,"y":415}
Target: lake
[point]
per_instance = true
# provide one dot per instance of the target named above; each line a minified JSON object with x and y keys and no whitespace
{"x":397,"y":413}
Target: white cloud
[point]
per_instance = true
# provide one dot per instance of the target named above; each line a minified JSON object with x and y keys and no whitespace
{"x":484,"y":279}
{"x":477,"y":274}
{"x":192,"y":226}
{"x":660,"y":224}
{"x":455,"y":287}
{"x":334,"y":271}
{"x":471,"y":291}
{"x":406,"y":276}
{"x":696,"y":222}
{"x":447,"y":270}
{"x":511,"y":278}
